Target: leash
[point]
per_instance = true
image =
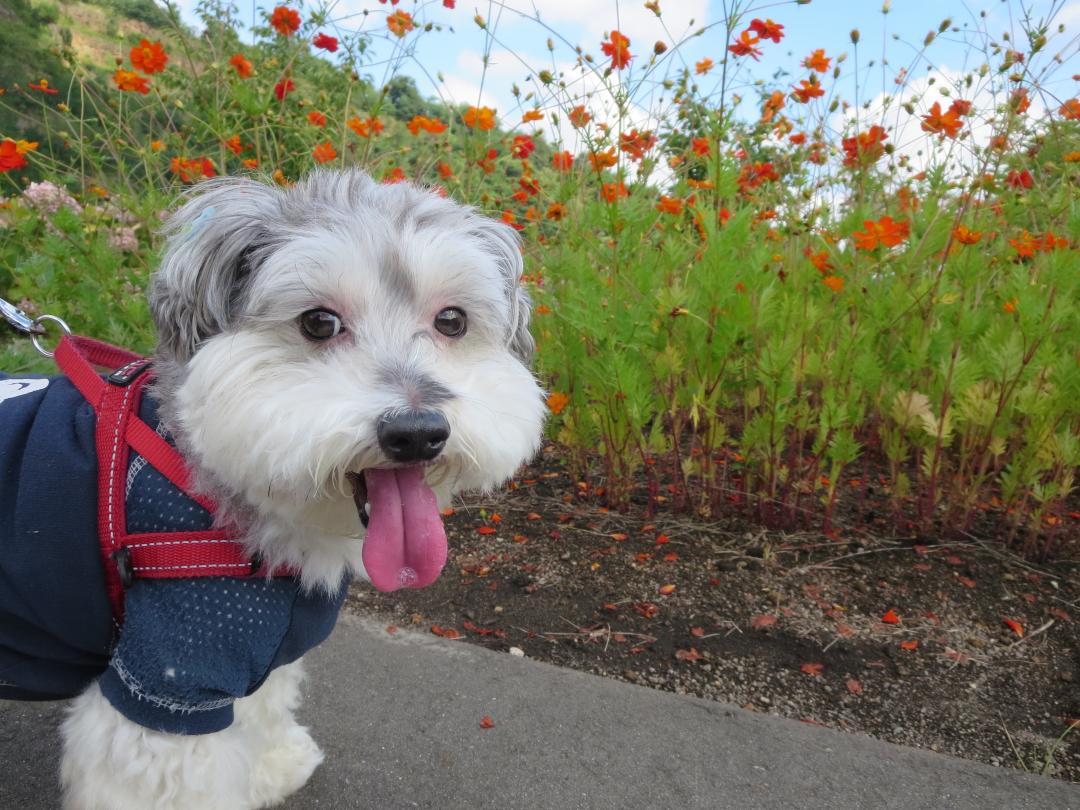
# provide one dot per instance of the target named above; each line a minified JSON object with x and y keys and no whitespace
{"x":115,"y":399}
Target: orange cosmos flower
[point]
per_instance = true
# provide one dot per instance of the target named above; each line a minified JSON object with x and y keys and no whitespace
{"x":241,"y":65}
{"x":131,"y":82}
{"x":1010,"y":305}
{"x":325,"y":42}
{"x":316,"y":118}
{"x":557,"y":401}
{"x":578,"y":117}
{"x":820,"y":260}
{"x":149,"y":57}
{"x":964,"y":236}
{"x":885,"y":231}
{"x":365,"y":128}
{"x":324,"y":152}
{"x":700,"y":146}
{"x":159,"y":146}
{"x":834,"y":283}
{"x":480,"y":118}
{"x":744,"y":45}
{"x":603,"y":160}
{"x":233,"y":145}
{"x":285,"y":20}
{"x":250,"y":163}
{"x":866,"y":148}
{"x":817,"y":60}
{"x":1071,"y":109}
{"x":669,"y":205}
{"x":532,"y":115}
{"x":1019,"y":101}
{"x":636,"y":144}
{"x":704,"y":66}
{"x":556,"y":211}
{"x":400,"y":23}
{"x":773,"y":104}
{"x":612,"y":191}
{"x":1025,"y":245}
{"x":947,"y":124}
{"x":421,"y":122}
{"x":194,"y":169}
{"x":395,"y":175}
{"x":510,"y":218}
{"x":487,"y":163}
{"x":445,"y":172}
{"x":754,"y":174}
{"x":618,"y":48}
{"x":562,"y":161}
{"x":767,"y":29}
{"x":807,"y":89}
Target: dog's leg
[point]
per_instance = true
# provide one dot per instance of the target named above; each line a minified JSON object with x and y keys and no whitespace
{"x":111,"y":763}
{"x":286,"y":754}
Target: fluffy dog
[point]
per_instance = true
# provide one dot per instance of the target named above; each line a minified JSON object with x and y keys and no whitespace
{"x":336,"y":346}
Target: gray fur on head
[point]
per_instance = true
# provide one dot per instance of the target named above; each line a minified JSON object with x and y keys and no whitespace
{"x":211,"y":249}
{"x":229,"y":226}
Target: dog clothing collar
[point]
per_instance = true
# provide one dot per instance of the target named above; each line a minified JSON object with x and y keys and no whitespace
{"x":119,"y":430}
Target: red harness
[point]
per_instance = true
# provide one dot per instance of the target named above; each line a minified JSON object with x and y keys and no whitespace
{"x":157,"y":555}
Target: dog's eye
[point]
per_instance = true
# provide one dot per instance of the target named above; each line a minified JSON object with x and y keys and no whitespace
{"x":320,"y":324}
{"x":451,"y":322}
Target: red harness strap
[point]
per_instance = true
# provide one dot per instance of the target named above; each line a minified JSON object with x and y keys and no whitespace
{"x":162,"y":555}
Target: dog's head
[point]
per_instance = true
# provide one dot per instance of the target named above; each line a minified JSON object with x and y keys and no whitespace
{"x":344,"y":335}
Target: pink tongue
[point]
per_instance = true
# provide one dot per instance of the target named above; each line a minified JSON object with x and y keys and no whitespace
{"x":405,"y":544}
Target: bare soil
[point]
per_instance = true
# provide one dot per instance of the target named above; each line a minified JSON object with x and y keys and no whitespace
{"x":958,"y":646}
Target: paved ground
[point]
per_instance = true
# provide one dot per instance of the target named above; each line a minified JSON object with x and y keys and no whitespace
{"x":399,"y":718}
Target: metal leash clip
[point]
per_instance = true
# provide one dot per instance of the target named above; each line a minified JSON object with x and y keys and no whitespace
{"x":31,"y":326}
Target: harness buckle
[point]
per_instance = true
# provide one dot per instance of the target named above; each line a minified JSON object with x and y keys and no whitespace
{"x":122,"y":558}
{"x":126,"y":375}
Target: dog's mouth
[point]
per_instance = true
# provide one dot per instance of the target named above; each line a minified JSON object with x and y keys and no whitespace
{"x":405,"y":544}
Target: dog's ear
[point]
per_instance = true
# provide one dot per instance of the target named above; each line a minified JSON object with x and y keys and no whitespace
{"x":211,"y":250}
{"x":502,"y":242}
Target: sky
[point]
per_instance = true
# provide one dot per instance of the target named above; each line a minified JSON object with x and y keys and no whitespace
{"x":448,"y":61}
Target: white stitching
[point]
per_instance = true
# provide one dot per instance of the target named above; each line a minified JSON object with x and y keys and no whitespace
{"x":177,"y":543}
{"x":204,"y":565}
{"x":112,"y":464}
{"x":133,"y":686}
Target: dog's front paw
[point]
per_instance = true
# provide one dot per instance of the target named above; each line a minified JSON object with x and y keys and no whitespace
{"x":284,"y":767}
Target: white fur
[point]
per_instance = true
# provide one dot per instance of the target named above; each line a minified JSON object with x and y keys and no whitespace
{"x":272,"y":423}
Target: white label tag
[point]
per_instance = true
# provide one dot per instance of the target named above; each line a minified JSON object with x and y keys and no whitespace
{"x":11,"y":388}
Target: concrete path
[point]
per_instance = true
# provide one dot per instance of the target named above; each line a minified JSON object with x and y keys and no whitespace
{"x":399,"y":718}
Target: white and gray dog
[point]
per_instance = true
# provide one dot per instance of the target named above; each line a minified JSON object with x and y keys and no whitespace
{"x":335,"y":344}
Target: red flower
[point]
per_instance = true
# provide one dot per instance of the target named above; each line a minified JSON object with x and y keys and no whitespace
{"x":149,"y":57}
{"x":1019,"y":180}
{"x":866,"y":148}
{"x":285,"y":21}
{"x":767,"y":29}
{"x":131,"y":82}
{"x":43,"y":87}
{"x":522,"y":147}
{"x":194,"y":169}
{"x":612,"y":191}
{"x":754,"y":174}
{"x":618,"y":48}
{"x":445,"y":172}
{"x":316,"y":118}
{"x":10,"y":156}
{"x":669,"y":205}
{"x":324,"y":152}
{"x":283,"y":88}
{"x":448,"y":3}
{"x":744,"y":45}
{"x":234,"y":145}
{"x":325,"y":42}
{"x":700,"y":147}
{"x":241,"y":65}
{"x":562,"y":161}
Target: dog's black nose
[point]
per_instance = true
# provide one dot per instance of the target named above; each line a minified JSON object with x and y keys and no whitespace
{"x":413,"y":435}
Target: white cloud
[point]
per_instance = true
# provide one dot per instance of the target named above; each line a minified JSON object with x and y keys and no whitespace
{"x":632,"y":19}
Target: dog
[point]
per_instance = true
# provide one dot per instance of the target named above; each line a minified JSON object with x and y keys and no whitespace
{"x":335,"y":361}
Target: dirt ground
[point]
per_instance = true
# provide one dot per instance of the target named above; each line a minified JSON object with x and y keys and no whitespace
{"x":957,"y":647}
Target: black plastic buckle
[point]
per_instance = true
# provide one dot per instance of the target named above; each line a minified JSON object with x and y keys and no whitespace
{"x":126,"y":375}
{"x":122,"y":558}
{"x":256,"y":563}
